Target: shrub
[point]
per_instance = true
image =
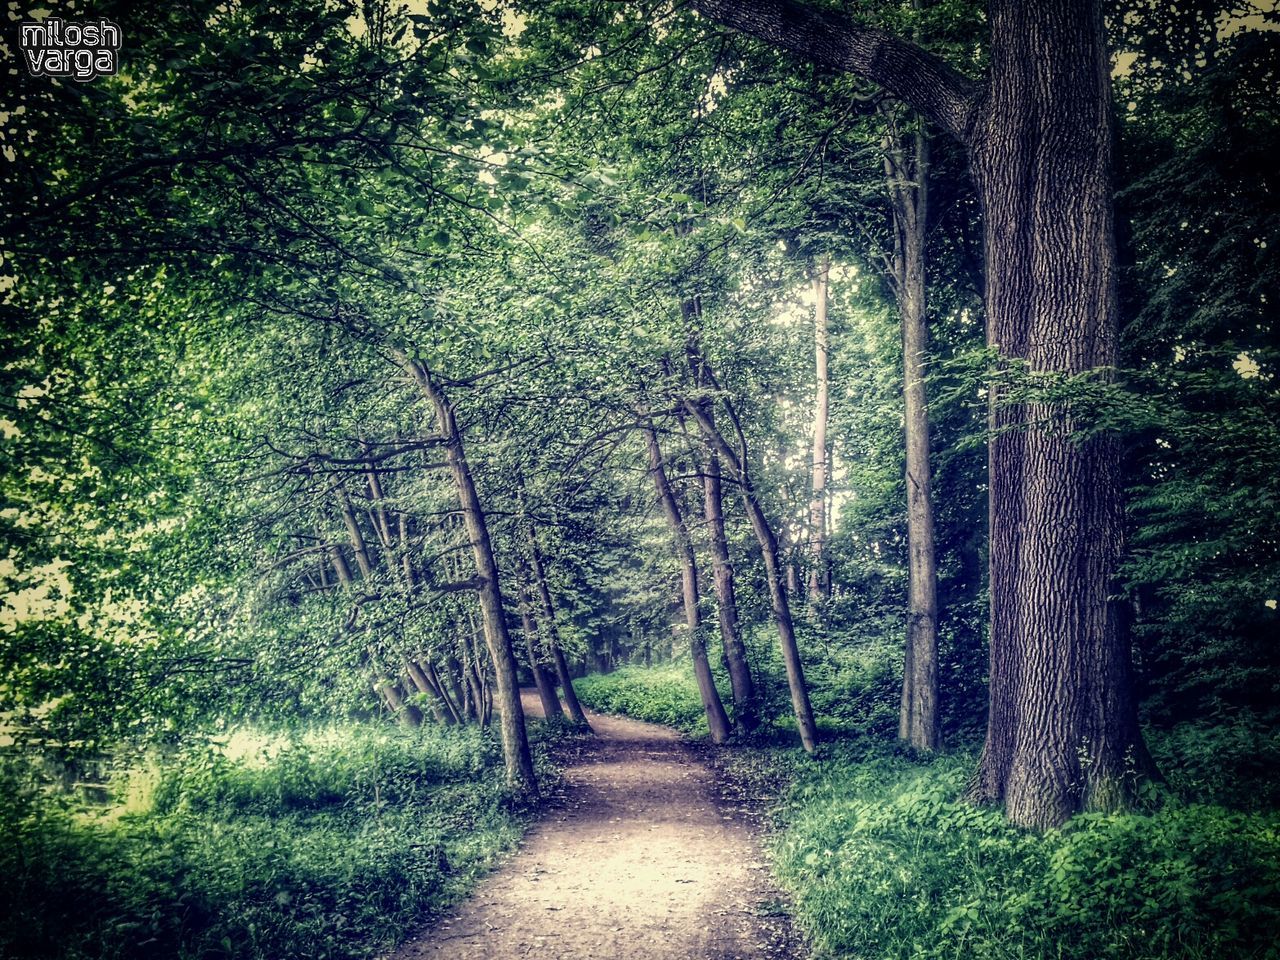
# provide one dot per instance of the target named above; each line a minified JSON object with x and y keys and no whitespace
{"x":885,"y":860}
{"x":325,"y":843}
{"x":665,"y":694}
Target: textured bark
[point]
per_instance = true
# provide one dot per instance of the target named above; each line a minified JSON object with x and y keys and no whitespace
{"x":933,"y":87}
{"x":551,"y":708}
{"x":515,"y":743}
{"x":907,"y":176}
{"x":1062,"y":719}
{"x":763,"y":531}
{"x":717,"y":719}
{"x":818,"y":581}
{"x":1062,"y":730}
{"x":552,"y":633}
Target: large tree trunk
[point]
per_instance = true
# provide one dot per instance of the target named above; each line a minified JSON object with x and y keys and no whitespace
{"x":760,"y":526}
{"x":552,"y":634}
{"x":515,"y":743}
{"x":818,"y":580}
{"x":1062,"y":719}
{"x":907,"y":177}
{"x":717,"y":719}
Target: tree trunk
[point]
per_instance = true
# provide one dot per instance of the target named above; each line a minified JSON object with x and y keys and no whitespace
{"x":1062,"y":720}
{"x":818,"y":580}
{"x":552,"y":634}
{"x":746,"y":705}
{"x":406,"y":714}
{"x":451,"y":701}
{"x":1062,"y":729}
{"x":358,"y":545}
{"x":551,"y":708}
{"x":773,"y":573}
{"x":381,"y":522}
{"x":435,"y":697}
{"x":717,"y":719}
{"x":907,"y":178}
{"x":515,"y":743}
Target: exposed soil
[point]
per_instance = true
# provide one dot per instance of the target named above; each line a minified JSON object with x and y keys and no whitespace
{"x":634,"y":860}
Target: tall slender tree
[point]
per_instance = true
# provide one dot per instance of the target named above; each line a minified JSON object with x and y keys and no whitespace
{"x":819,"y":581}
{"x":906,"y":168}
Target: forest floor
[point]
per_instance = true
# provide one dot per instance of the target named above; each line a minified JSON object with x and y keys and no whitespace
{"x":637,"y":857}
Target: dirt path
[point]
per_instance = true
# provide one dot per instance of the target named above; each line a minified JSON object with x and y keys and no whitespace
{"x":635,"y":861}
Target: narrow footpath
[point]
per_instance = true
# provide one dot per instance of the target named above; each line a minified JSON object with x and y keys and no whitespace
{"x":635,"y":860}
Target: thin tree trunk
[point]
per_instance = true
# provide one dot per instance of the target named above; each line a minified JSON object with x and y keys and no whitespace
{"x":464,"y":686}
{"x":349,"y":520}
{"x":551,"y":708}
{"x":435,"y":697}
{"x":760,"y":526}
{"x":818,"y":581}
{"x":406,"y":714}
{"x":376,"y":497}
{"x":717,"y":719}
{"x":515,"y":743}
{"x":479,"y":672}
{"x":746,"y":705}
{"x":450,"y":694}
{"x":907,"y":181}
{"x":551,"y":633}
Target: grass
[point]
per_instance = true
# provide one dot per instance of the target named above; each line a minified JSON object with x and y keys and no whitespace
{"x":882,"y":858}
{"x":664,"y":694}
{"x":329,"y":843}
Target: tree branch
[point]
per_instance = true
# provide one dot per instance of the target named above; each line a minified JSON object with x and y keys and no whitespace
{"x":937,"y":90}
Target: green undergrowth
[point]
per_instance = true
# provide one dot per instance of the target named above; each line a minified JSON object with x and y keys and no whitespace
{"x":664,"y":694}
{"x":325,"y":843}
{"x":883,"y":858}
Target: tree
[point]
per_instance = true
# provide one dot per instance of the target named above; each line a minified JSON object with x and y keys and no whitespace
{"x":717,"y":719}
{"x":1062,"y":723}
{"x":907,"y":177}
{"x":819,"y":586}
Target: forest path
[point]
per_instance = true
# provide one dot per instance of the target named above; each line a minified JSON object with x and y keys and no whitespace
{"x":634,"y":860}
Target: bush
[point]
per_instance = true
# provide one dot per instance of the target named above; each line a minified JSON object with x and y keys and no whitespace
{"x":327,"y":843}
{"x":884,"y":859}
{"x":665,"y":694}
{"x":1232,"y":762}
